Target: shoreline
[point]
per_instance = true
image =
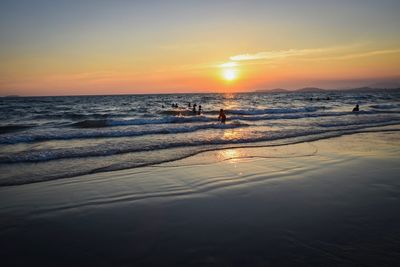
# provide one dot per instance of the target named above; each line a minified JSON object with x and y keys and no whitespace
{"x":217,"y":147}
{"x":331,"y":202}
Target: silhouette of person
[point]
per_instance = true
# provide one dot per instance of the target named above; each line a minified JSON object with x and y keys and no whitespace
{"x":222,"y":116}
{"x":199,"y":112}
{"x":189,"y":104}
{"x":194,"y":108}
{"x":356,"y":108}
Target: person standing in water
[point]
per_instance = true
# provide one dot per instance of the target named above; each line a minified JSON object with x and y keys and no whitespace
{"x":356,"y":108}
{"x":222,"y":116}
{"x":194,"y":108}
{"x":199,"y":112}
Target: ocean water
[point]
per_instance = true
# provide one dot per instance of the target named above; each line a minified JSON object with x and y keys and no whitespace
{"x":45,"y":138}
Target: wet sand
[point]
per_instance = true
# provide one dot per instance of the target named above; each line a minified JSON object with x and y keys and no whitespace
{"x":333,"y":202}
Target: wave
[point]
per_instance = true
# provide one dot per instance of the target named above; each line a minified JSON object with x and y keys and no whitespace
{"x":65,"y":135}
{"x":275,"y":110}
{"x":385,"y":106}
{"x":355,"y":123}
{"x":171,"y":125}
{"x":91,"y":124}
{"x":308,"y":115}
{"x":13,"y":128}
{"x":178,"y":112}
{"x":254,"y":115}
{"x":309,"y":137}
{"x":131,"y":147}
{"x":75,"y":116}
{"x":139,"y":121}
{"x":187,"y":112}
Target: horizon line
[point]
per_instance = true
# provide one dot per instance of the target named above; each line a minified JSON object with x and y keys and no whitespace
{"x":233,"y":92}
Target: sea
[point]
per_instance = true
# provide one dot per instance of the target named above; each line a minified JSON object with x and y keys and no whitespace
{"x":46,"y":138}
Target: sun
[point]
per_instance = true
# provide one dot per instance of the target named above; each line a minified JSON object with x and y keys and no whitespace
{"x":229,"y":71}
{"x":229,"y":74}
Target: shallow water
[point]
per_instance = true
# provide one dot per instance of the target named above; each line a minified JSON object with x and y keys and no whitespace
{"x":45,"y":138}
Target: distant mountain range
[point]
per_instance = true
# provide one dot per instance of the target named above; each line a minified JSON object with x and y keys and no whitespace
{"x":319,"y":90}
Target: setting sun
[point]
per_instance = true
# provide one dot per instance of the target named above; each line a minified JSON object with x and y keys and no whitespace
{"x":230,"y":74}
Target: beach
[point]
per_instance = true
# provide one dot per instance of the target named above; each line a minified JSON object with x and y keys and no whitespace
{"x":330,"y":202}
{"x":200,"y":133}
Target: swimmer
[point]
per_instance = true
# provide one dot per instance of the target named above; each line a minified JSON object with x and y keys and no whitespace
{"x":222,"y":116}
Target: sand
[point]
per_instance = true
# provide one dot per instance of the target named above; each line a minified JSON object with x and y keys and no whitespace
{"x":333,"y":202}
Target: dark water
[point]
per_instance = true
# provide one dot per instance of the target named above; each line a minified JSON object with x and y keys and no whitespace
{"x":44,"y":138}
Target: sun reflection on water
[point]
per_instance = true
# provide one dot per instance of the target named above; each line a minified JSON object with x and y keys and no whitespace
{"x":232,"y":134}
{"x":230,"y":101}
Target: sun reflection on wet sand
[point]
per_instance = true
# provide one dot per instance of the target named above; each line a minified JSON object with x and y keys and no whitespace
{"x":233,"y":155}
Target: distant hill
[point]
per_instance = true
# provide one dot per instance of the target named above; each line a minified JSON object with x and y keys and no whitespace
{"x":386,"y":85}
{"x":276,"y":90}
{"x":301,"y":90}
{"x":369,"y":89}
{"x":310,"y":90}
{"x":320,"y":90}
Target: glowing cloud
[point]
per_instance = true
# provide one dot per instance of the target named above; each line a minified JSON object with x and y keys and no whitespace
{"x":272,"y":54}
{"x":330,"y":53}
{"x":229,"y":65}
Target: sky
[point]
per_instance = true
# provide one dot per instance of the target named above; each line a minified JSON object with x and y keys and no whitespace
{"x":127,"y":47}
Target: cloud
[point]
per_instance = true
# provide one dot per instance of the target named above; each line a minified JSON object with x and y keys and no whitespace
{"x":328,"y":53}
{"x":229,"y":65}
{"x":277,"y":54}
{"x":359,"y":55}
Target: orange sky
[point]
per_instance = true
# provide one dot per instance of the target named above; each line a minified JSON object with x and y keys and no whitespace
{"x":124,"y":48}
